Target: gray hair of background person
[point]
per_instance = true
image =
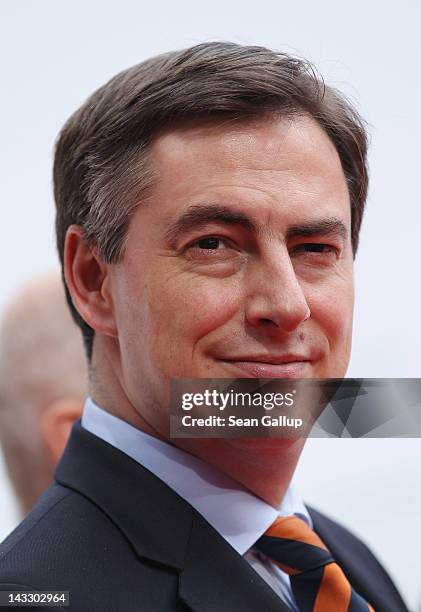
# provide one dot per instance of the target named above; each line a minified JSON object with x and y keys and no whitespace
{"x":41,"y":361}
{"x":102,"y":168}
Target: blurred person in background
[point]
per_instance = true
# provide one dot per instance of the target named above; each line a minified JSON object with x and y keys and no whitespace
{"x":43,"y":382}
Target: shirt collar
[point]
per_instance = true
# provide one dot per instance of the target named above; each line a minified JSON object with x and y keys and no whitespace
{"x":238,"y":515}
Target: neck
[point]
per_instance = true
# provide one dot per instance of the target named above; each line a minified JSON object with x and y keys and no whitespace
{"x":264,"y":466}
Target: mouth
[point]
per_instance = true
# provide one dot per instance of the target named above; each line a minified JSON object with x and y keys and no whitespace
{"x":270,"y":367}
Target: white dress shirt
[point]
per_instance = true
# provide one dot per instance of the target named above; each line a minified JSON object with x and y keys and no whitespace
{"x":238,"y":515}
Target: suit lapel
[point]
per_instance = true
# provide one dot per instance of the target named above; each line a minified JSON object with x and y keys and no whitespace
{"x":216,"y":577}
{"x":362,"y":570}
{"x":155,"y":520}
{"x":163,"y":528}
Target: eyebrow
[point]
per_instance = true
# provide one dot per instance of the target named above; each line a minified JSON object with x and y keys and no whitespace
{"x":329,"y":226}
{"x":198,"y":216}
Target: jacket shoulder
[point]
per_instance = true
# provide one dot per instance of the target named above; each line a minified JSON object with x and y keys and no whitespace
{"x":68,"y":543}
{"x":44,"y":506}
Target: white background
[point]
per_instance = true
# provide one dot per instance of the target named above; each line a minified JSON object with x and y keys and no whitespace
{"x":54,"y":54}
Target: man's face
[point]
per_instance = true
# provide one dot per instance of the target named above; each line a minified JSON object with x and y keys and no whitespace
{"x":240,"y":263}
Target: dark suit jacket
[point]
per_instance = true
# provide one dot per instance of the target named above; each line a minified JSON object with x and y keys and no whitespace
{"x":120,"y":540}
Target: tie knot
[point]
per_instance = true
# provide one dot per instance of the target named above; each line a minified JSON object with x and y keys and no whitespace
{"x":294,"y":528}
{"x":294,"y":546}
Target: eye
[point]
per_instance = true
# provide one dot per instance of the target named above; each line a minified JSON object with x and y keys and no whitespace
{"x":316,"y":248}
{"x":211,"y":249}
{"x":210,"y":243}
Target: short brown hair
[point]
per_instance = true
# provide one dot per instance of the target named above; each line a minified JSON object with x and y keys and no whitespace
{"x":101,"y":169}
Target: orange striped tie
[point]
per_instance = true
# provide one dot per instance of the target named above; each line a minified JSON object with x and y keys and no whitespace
{"x":318,"y":583}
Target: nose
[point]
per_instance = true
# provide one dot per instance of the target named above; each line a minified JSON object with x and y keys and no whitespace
{"x":275,"y":297}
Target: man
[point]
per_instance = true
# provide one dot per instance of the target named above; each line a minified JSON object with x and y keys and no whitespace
{"x":43,"y":383}
{"x":208,"y":209}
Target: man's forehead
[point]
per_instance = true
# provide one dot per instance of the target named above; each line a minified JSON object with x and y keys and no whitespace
{"x":227,"y":143}
{"x":266,"y":170}
{"x":272,"y":158}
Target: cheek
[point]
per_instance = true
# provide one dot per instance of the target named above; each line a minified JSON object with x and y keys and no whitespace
{"x":332,"y":310}
{"x":185,"y":310}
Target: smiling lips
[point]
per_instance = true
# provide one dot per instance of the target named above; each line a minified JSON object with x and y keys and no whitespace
{"x":268,"y":366}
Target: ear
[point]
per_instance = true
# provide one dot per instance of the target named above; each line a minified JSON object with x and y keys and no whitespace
{"x":87,"y":277}
{"x":56,"y":423}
